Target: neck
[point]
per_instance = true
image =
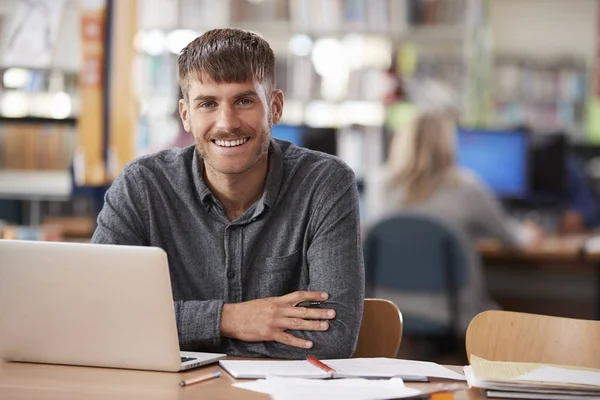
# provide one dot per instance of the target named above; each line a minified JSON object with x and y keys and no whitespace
{"x":238,"y":192}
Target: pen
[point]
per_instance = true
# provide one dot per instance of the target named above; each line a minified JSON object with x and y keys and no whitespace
{"x":442,"y":392}
{"x":201,"y":378}
{"x":309,"y":304}
{"x":319,"y":364}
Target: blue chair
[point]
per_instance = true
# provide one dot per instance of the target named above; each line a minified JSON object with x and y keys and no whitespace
{"x":412,"y":252}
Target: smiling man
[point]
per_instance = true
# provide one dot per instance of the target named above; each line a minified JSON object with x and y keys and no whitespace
{"x":252,"y":226}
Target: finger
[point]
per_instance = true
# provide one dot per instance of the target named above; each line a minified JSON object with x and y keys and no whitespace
{"x":291,"y":340}
{"x":308,"y":313}
{"x":299,"y":324}
{"x":300,"y":296}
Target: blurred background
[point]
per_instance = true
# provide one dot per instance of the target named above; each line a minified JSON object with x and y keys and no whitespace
{"x":88,"y":85}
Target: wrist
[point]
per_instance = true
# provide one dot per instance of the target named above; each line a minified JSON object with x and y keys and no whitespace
{"x":226,"y":325}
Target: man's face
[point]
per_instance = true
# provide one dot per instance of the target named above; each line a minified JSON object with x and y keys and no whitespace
{"x":230,"y":122}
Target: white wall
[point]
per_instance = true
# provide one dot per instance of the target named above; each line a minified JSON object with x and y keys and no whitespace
{"x":544,"y":28}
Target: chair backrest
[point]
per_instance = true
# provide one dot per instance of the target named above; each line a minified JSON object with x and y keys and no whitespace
{"x":414,"y":252}
{"x":380,"y":331}
{"x":520,"y":337}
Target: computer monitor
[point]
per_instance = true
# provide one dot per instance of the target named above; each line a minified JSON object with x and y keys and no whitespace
{"x":548,"y":159}
{"x":290,"y":133}
{"x":313,"y":138}
{"x":499,"y":158}
{"x":320,"y":139}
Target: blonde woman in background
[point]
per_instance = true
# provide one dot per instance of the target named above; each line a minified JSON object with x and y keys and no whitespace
{"x":422,"y":176}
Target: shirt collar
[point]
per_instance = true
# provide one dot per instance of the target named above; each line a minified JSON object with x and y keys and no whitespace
{"x":272,"y":185}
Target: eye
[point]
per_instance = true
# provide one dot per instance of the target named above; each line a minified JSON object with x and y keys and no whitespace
{"x":208,"y":104}
{"x":245,"y":102}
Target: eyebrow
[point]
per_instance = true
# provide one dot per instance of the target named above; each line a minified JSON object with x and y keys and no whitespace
{"x":248,"y":92}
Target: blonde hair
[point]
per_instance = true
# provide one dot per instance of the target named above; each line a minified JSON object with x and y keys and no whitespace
{"x":422,"y":156}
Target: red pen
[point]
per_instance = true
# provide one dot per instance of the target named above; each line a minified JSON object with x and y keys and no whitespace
{"x":321,"y":365}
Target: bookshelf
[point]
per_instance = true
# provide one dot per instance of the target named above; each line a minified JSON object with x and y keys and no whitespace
{"x":545,"y":94}
{"x":441,"y":63}
{"x":333,"y":58}
{"x":39,"y":99}
{"x":35,"y":157}
{"x":41,"y":105}
{"x":341,"y":64}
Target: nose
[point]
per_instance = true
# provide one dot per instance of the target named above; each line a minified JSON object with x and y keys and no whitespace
{"x":227,"y":119}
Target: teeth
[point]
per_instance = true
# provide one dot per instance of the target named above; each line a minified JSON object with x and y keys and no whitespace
{"x":230,"y":143}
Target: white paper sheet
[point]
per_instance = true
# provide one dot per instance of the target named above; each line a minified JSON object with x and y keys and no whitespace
{"x":492,"y":394}
{"x":562,"y":375}
{"x":348,"y":389}
{"x":259,"y":385}
{"x":391,"y":367}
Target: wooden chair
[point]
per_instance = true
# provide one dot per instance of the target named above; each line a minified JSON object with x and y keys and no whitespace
{"x":380,"y":330}
{"x":521,"y":337}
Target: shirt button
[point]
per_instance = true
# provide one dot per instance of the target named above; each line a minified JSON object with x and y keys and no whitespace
{"x":230,"y":274}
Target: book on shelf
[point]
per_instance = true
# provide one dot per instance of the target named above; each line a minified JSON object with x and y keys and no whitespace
{"x":45,"y":147}
{"x":50,"y":233}
{"x":422,"y":12}
{"x":548,"y":95}
{"x":338,"y":16}
{"x":205,"y":14}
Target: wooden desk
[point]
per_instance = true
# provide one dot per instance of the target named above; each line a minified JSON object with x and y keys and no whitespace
{"x":42,"y":382}
{"x":569,"y":249}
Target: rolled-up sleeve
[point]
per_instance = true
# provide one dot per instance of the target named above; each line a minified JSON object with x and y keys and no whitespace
{"x":122,"y":221}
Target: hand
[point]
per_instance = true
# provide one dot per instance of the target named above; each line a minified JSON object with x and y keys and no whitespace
{"x":572,"y":222}
{"x":268,"y":319}
{"x":533,"y":233}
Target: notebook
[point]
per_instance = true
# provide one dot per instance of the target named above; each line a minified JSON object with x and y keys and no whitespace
{"x":90,"y":305}
{"x":373,"y":368}
{"x":517,"y":380}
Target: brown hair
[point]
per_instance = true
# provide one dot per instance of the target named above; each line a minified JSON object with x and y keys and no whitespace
{"x":227,"y":55}
{"x":422,"y":156}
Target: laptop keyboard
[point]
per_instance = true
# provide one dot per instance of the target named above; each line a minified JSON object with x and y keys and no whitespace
{"x":184,"y":359}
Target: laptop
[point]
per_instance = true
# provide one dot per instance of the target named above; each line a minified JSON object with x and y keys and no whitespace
{"x":90,"y":305}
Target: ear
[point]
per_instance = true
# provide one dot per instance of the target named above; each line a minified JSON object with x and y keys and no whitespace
{"x":277,"y":105}
{"x":184,"y":113}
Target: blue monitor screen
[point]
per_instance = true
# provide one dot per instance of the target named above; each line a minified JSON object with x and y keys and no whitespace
{"x":499,"y":158}
{"x":291,"y":133}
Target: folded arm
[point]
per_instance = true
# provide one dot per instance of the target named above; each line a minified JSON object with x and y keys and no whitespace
{"x":336,"y":267}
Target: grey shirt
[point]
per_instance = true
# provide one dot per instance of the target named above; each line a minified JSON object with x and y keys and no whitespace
{"x":303,"y":234}
{"x":467,"y":205}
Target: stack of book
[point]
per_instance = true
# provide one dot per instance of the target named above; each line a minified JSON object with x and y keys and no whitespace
{"x":515,"y":380}
{"x":36,"y":146}
{"x":22,"y":232}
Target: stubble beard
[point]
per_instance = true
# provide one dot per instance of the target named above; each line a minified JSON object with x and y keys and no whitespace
{"x":264,"y":149}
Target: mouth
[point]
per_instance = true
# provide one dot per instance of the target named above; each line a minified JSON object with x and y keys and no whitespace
{"x":230,"y":143}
